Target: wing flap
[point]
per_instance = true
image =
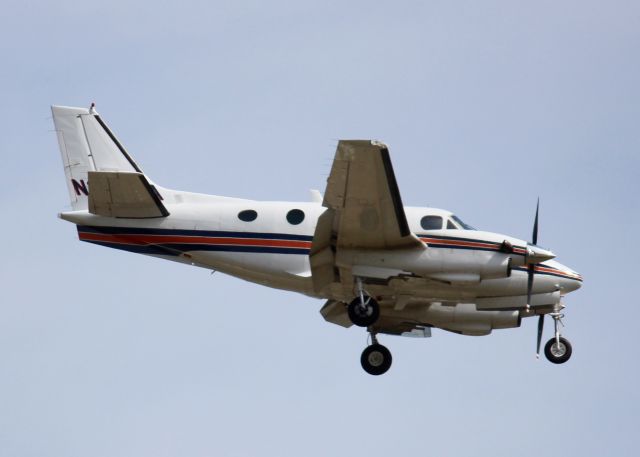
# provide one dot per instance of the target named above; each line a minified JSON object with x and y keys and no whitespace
{"x":124,"y":194}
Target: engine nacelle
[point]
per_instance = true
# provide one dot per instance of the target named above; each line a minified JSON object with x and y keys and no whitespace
{"x":455,"y":266}
{"x":485,"y":266}
{"x":461,"y":318}
{"x":464,"y":318}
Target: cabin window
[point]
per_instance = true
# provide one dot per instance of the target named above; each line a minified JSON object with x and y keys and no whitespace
{"x":247,"y":215}
{"x":450,"y":225}
{"x":295,"y":216}
{"x":431,"y":222}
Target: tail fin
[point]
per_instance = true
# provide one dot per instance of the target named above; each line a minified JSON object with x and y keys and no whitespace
{"x":87,"y":144}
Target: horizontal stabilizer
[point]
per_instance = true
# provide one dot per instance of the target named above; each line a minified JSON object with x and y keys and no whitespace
{"x":124,"y":194}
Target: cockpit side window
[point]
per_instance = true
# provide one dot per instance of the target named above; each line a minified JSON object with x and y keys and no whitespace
{"x":451,"y":225}
{"x":431,"y":223}
{"x":460,"y":223}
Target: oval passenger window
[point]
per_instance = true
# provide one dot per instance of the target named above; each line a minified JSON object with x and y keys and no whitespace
{"x":295,"y":216}
{"x":431,"y":222}
{"x":247,"y":215}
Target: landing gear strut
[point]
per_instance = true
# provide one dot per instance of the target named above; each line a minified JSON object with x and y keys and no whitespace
{"x":557,"y":349}
{"x":363,"y":310}
{"x":375,"y":359}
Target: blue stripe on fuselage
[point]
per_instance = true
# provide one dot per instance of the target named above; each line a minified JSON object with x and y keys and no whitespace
{"x":182,"y":232}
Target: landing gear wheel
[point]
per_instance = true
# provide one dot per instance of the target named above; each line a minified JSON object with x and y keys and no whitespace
{"x":363,"y":314}
{"x":376,"y":359}
{"x":557,"y":353}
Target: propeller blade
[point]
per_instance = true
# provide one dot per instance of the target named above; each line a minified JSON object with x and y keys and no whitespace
{"x":534,"y":238}
{"x":530,"y":274}
{"x":531,"y":269}
{"x":540,"y":327}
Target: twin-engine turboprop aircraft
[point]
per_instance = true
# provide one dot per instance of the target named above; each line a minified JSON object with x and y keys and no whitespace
{"x":379,"y":265}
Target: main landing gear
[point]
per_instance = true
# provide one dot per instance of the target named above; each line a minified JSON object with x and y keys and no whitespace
{"x":558,"y":349}
{"x":376,"y":359}
{"x":363,"y":310}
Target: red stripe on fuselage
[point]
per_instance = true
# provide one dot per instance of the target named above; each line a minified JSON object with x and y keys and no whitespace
{"x":545,"y":269}
{"x":471,"y":244}
{"x":551,"y":270}
{"x":177,"y":239}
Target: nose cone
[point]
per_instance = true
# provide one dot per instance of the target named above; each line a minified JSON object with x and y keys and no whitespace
{"x":573,"y":284}
{"x":569,"y":280}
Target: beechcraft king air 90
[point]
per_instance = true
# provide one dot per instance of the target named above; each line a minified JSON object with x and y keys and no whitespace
{"x":379,"y":265}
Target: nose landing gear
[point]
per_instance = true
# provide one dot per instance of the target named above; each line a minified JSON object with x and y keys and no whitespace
{"x":558,"y":349}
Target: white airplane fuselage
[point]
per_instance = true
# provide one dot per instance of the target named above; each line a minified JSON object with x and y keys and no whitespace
{"x":205,"y":231}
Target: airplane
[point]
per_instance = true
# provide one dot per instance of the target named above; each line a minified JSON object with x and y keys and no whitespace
{"x":378,"y":265}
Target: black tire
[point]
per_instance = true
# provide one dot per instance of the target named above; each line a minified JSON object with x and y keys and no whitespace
{"x":376,"y":359}
{"x":558,"y":356}
{"x":363,"y":316}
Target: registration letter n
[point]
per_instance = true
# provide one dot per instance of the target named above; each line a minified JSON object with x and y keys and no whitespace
{"x":80,"y":187}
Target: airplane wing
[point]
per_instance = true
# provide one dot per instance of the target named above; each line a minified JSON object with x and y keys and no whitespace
{"x":124,"y":194}
{"x":365,"y":210}
{"x":363,"y":192}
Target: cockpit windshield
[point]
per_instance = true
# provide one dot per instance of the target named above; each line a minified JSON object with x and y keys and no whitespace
{"x":460,"y":223}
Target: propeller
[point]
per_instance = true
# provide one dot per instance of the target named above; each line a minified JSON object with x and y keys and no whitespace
{"x":540,"y":327}
{"x":532,"y":267}
{"x":534,"y":235}
{"x":530,"y":275}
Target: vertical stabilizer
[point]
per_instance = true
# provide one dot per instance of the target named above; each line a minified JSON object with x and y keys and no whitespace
{"x":87,"y":144}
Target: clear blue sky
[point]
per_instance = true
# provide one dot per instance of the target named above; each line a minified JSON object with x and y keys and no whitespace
{"x":485,"y":105}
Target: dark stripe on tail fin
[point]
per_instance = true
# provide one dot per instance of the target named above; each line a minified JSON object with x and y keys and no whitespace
{"x":395,"y":193}
{"x":117,"y":143}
